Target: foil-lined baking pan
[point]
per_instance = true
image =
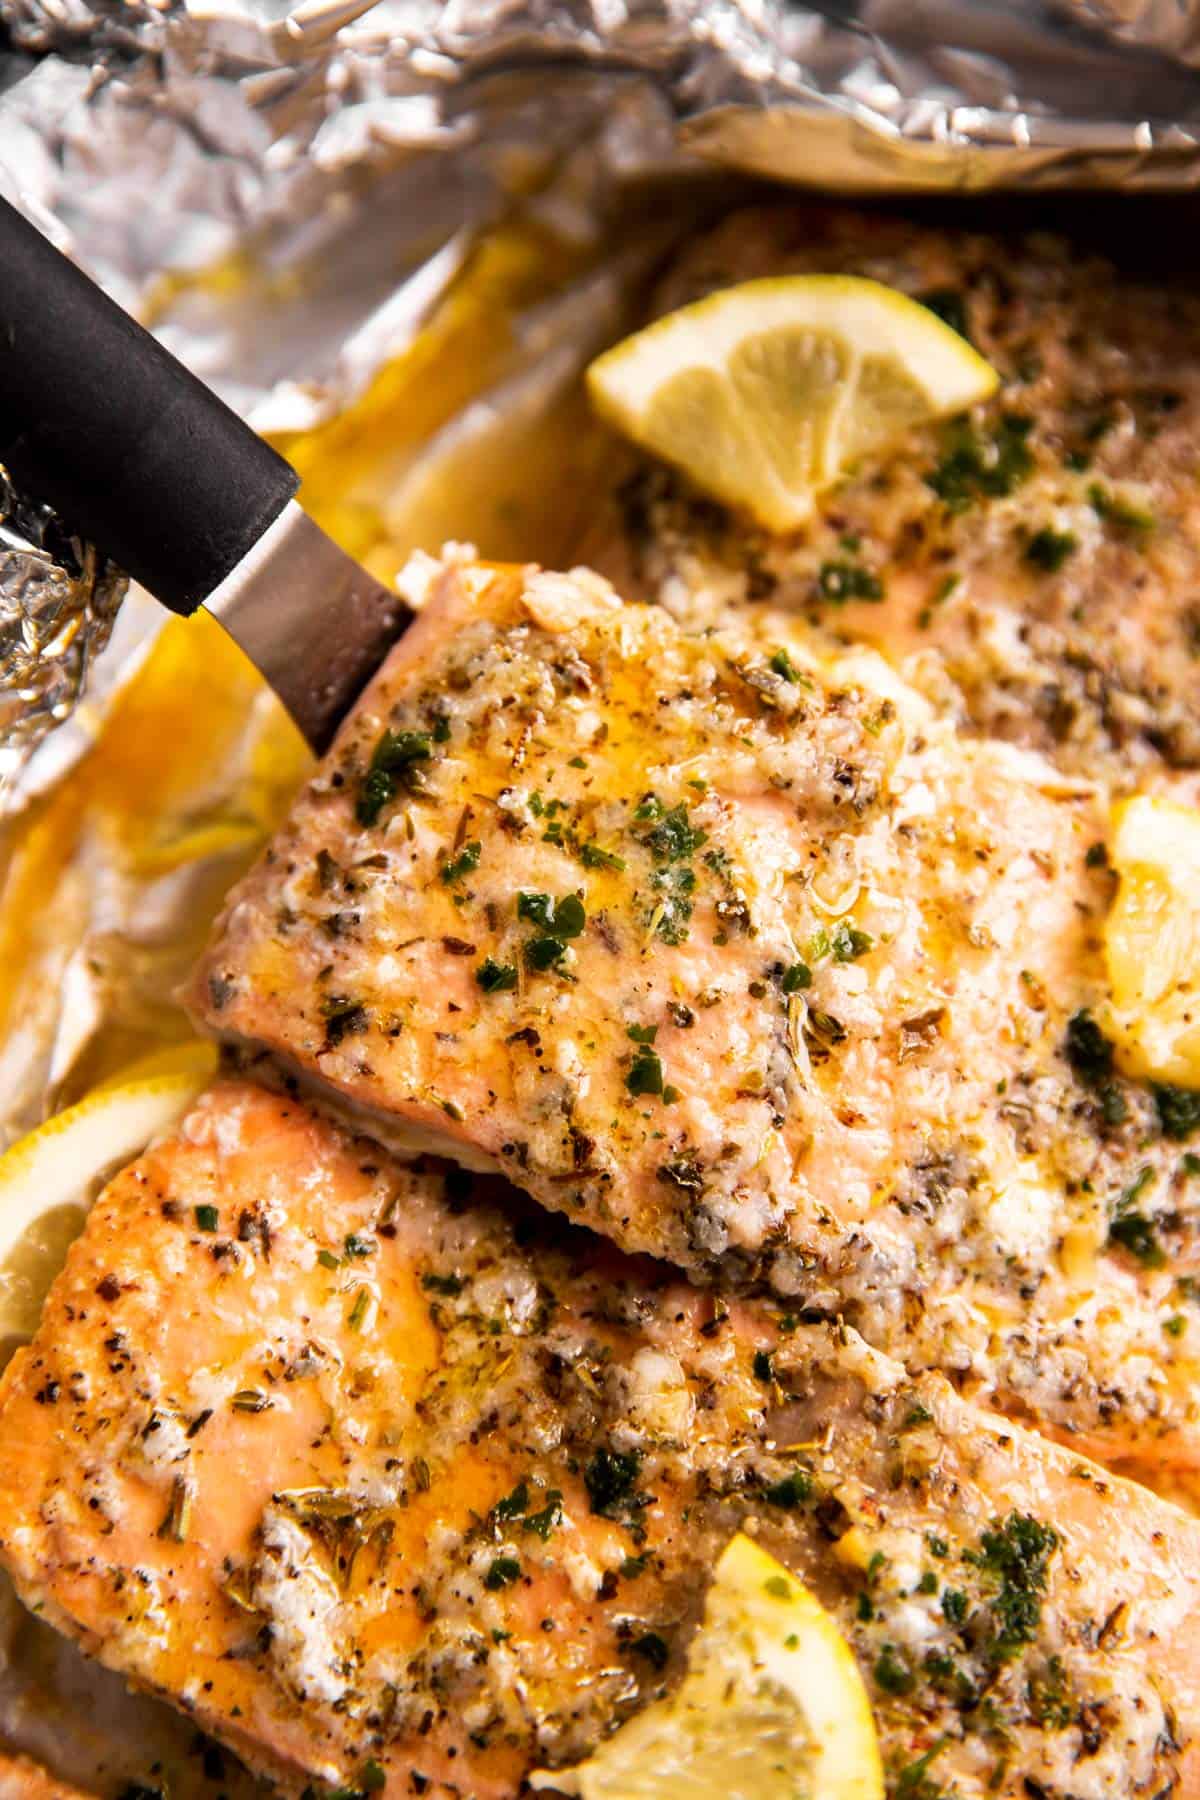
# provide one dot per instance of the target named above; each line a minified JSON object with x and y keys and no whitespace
{"x":392,"y":236}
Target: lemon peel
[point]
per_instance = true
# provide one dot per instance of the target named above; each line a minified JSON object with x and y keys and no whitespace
{"x":765,"y":393}
{"x":772,"y":1706}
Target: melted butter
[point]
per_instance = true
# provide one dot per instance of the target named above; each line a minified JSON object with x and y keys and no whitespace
{"x":514,"y":478}
{"x":132,"y":853}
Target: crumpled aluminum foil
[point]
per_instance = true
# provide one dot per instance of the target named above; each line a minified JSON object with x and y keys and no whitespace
{"x":240,"y":127}
{"x":58,"y":601}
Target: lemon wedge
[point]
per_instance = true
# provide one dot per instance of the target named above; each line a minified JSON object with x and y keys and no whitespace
{"x":48,"y":1179}
{"x":765,"y":393}
{"x":772,"y":1706}
{"x":1152,"y":941}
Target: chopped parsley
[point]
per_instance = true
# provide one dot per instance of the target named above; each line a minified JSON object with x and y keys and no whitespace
{"x":207,"y":1218}
{"x":545,"y":952}
{"x":1178,"y":1109}
{"x":673,"y":837}
{"x":954,"y":1605}
{"x":178,"y":1518}
{"x":780,"y":663}
{"x":496,"y":977}
{"x":914,"y":1782}
{"x":1015,"y":1555}
{"x":645,"y":1073}
{"x":467,"y":860}
{"x":672,"y":842}
{"x":514,"y":1505}
{"x":559,"y":920}
{"x":503,"y":1572}
{"x":1049,"y":549}
{"x":974,"y":465}
{"x":849,"y":943}
{"x":764,"y":1368}
{"x":565,"y":918}
{"x":609,"y":1479}
{"x":1132,"y":1228}
{"x":796,"y":976}
{"x":1091,"y":1057}
{"x":892,"y":1672}
{"x":393,"y":762}
{"x":791,"y":1492}
{"x":826,"y":1028}
{"x":542,"y":1523}
{"x":840,"y":580}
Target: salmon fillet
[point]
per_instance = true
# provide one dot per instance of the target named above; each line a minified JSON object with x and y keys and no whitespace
{"x":745,"y":961}
{"x":394,"y":1484}
{"x":1037,"y":568}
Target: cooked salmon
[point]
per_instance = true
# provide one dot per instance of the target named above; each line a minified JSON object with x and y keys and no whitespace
{"x":397,"y":1484}
{"x":1036,"y":566}
{"x":745,"y":960}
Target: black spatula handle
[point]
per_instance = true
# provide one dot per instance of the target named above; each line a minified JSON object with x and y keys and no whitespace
{"x":102,"y":422}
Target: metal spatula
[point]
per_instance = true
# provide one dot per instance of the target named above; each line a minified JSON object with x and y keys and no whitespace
{"x":141,"y":458}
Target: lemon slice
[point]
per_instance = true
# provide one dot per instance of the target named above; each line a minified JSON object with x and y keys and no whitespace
{"x":764,"y":393}
{"x":1152,"y":941}
{"x":772,"y":1706}
{"x":48,"y":1179}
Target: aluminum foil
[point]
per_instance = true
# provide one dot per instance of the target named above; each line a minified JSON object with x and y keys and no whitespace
{"x":58,"y":600}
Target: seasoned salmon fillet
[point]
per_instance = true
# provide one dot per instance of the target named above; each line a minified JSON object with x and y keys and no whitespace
{"x":1036,"y":566}
{"x":398,"y":1485}
{"x":745,"y":961}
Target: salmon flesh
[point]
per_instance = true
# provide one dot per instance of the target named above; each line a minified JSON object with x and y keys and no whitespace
{"x":395,"y":1484}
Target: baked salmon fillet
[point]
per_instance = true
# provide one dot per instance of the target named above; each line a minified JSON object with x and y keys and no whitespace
{"x":1036,"y":565}
{"x":401,"y":1486}
{"x":744,"y":961}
